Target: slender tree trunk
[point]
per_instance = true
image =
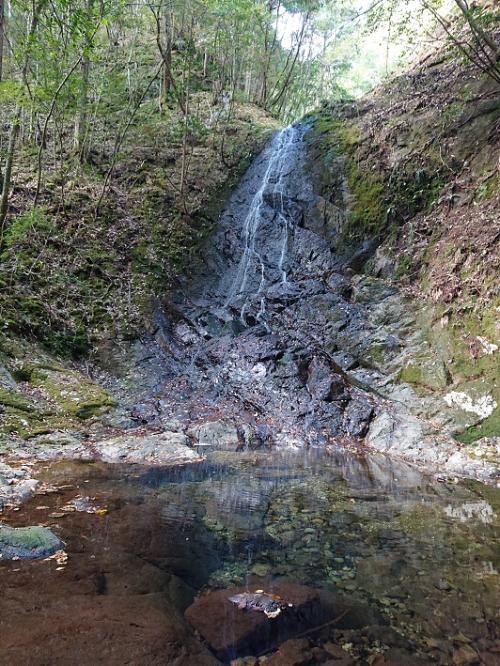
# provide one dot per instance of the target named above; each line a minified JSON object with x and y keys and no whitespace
{"x":48,"y":117}
{"x":7,"y":175}
{"x":2,"y":32}
{"x":288,"y":77}
{"x":83,"y":103}
{"x":167,"y":55}
{"x":205,"y":65}
{"x":477,"y":29}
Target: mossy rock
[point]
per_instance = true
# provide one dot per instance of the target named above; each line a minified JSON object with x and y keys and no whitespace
{"x":377,"y":353}
{"x":429,"y":373}
{"x":27,"y":425}
{"x":490,"y":427}
{"x":15,"y":400}
{"x":72,"y":393}
{"x":27,"y":542}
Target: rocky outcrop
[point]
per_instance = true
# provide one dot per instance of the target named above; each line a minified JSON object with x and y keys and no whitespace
{"x":218,"y":435}
{"x":170,"y":447}
{"x":16,"y":485}
{"x":164,"y":448}
{"x":279,"y":331}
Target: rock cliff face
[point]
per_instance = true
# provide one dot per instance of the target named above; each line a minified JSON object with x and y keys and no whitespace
{"x":408,"y":180}
{"x":282,"y":332}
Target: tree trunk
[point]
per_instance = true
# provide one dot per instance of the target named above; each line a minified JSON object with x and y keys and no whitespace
{"x":166,"y":54}
{"x":2,"y":30}
{"x":7,"y":176}
{"x":476,"y":28}
{"x":83,"y":102}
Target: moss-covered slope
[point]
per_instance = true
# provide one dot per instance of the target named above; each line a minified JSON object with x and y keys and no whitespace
{"x":422,"y":192}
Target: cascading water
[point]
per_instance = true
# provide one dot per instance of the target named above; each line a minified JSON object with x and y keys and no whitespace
{"x":272,"y":189}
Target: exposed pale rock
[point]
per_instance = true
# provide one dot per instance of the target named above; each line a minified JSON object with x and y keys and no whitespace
{"x":483,"y":406}
{"x":16,"y":485}
{"x":163,"y":448}
{"x":400,"y":434}
{"x":215,"y":435}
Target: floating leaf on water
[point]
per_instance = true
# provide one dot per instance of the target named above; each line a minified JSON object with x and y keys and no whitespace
{"x":60,"y":557}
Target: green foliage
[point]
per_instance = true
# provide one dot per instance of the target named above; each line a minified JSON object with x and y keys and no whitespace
{"x":490,"y":427}
{"x":34,"y":221}
{"x":12,"y":92}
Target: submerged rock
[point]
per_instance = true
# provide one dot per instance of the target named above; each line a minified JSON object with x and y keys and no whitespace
{"x":269,"y":604}
{"x":27,"y":542}
{"x":232,"y":632}
{"x":295,"y":652}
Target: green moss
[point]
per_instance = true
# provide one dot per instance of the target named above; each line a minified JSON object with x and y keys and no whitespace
{"x":377,"y":352}
{"x":27,"y":542}
{"x":490,"y":427}
{"x":416,"y":520}
{"x":412,"y":374}
{"x":72,"y":393}
{"x":379,"y":203}
{"x":367,"y":216}
{"x":33,"y":220}
{"x":430,"y":373}
{"x":15,"y":400}
{"x":489,"y":187}
{"x":404,"y":266}
{"x":26,"y":425}
{"x":452,"y":112}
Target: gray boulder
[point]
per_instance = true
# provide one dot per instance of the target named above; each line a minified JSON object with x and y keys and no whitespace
{"x":215,"y":435}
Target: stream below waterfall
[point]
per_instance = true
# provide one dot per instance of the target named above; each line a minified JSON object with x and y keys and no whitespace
{"x":381,"y":563}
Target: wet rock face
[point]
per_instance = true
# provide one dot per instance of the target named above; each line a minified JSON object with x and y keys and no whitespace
{"x":358,"y":415}
{"x":278,"y":330}
{"x":322,"y":383}
{"x":27,"y":542}
{"x":255,"y":321}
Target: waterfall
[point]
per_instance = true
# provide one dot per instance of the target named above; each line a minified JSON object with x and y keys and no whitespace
{"x":274,"y":176}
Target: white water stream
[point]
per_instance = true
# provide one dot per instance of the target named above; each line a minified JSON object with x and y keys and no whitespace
{"x":251,"y":257}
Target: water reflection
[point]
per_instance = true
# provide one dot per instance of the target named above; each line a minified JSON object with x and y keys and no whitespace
{"x":421,"y":555}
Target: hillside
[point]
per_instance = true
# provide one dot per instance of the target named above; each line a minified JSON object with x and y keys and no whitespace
{"x":418,"y":164}
{"x":75,"y":284}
